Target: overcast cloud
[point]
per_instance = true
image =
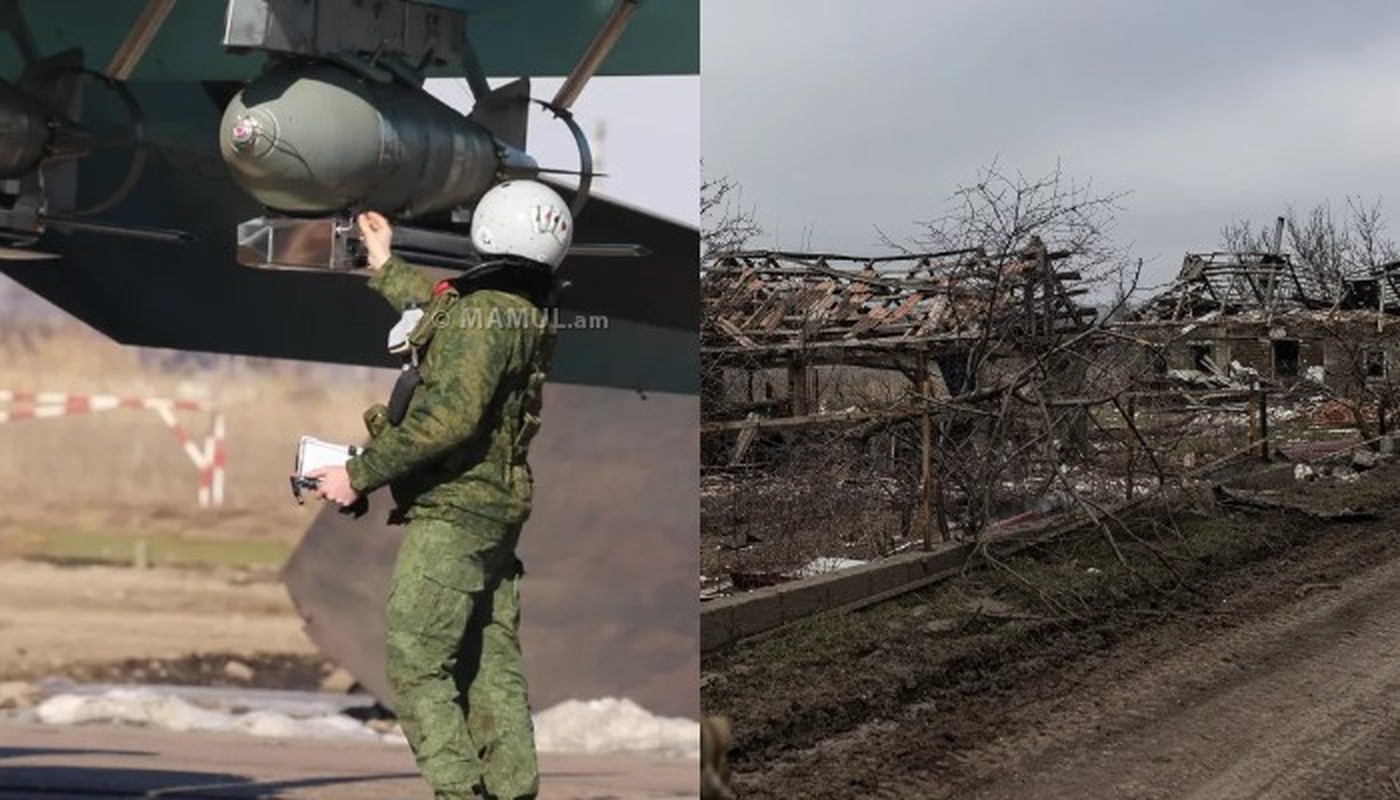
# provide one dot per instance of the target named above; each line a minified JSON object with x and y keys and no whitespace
{"x":836,"y":117}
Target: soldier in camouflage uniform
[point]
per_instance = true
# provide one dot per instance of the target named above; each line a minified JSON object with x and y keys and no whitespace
{"x":456,"y":466}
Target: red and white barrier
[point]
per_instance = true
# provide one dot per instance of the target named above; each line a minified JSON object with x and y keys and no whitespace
{"x":208,"y":456}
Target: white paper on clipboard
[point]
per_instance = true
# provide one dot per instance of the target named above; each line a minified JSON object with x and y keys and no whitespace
{"x":314,"y":454}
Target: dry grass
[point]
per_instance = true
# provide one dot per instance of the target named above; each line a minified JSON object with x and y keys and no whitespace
{"x":123,"y":471}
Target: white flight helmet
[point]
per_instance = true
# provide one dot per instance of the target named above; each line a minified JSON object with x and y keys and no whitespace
{"x":523,"y":218}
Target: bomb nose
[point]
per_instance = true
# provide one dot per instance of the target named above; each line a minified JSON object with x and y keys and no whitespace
{"x":252,"y":134}
{"x":242,"y":133}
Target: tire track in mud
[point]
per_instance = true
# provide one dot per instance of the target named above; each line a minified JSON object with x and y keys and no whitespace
{"x":1299,"y":703}
{"x":1272,"y":678}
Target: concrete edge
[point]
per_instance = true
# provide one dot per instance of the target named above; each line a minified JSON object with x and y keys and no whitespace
{"x":728,"y":620}
{"x":763,"y":612}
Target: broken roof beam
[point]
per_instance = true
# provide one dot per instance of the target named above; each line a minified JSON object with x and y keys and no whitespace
{"x":797,"y":256}
{"x":810,"y":420}
{"x":892,"y":343}
{"x":886,"y":323}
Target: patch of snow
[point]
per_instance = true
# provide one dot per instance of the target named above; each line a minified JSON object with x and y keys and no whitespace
{"x":147,"y":707}
{"x":610,"y":725}
{"x":825,"y":564}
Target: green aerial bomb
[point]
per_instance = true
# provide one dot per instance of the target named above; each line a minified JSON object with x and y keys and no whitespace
{"x":310,"y":139}
{"x":25,"y":134}
{"x":32,"y":129}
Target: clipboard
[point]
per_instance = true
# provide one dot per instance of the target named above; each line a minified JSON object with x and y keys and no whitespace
{"x":314,"y":454}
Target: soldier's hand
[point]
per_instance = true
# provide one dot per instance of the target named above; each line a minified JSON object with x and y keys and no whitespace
{"x":378,"y":235}
{"x":335,"y":485}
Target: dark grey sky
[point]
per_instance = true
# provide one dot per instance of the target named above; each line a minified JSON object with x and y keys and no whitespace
{"x":837,"y":116}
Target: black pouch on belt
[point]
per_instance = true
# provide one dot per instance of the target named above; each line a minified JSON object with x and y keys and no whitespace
{"x":409,"y":378}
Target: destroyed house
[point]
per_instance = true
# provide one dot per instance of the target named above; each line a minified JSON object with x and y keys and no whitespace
{"x":1232,"y":318}
{"x":783,"y":331}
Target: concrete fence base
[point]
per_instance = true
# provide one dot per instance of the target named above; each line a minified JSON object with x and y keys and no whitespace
{"x":730,"y":619}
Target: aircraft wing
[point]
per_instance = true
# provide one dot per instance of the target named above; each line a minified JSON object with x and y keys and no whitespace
{"x":539,"y":38}
{"x":192,"y":295}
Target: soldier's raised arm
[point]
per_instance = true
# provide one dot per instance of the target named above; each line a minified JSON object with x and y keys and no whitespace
{"x":401,"y":284}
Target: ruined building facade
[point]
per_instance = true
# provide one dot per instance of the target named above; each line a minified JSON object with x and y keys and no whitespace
{"x":1239,"y":317}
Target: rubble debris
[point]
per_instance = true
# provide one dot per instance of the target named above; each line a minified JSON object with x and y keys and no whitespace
{"x":942,"y":625}
{"x":1364,"y":459}
{"x":1345,"y":474}
{"x":739,"y":541}
{"x":1263,"y":500}
{"x":748,"y":581}
{"x":1333,"y":412}
{"x":1315,"y":451}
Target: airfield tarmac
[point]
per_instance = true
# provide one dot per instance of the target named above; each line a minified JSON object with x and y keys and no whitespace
{"x":167,"y":625}
{"x":89,"y":762}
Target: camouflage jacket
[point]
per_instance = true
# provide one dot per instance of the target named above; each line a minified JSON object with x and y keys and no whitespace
{"x":460,"y":451}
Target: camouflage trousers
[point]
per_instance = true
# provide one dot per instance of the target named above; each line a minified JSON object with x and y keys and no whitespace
{"x":454,"y":661}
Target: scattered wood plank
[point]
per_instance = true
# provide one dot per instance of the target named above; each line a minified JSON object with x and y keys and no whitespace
{"x":1259,"y":500}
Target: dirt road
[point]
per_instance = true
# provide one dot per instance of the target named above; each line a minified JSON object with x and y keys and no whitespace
{"x":1280,"y":678}
{"x":1299,"y":703}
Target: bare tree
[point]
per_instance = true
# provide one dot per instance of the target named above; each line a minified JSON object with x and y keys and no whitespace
{"x":1240,"y":236}
{"x":1024,"y":396}
{"x":726,"y":224}
{"x":1024,"y":389}
{"x":1369,"y":247}
{"x":1002,"y":212}
{"x":1327,"y":248}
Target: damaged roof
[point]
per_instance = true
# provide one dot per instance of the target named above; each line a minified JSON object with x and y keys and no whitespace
{"x":1253,"y":283}
{"x":770,"y":303}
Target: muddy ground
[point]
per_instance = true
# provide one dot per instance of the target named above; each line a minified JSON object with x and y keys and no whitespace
{"x":756,"y":527}
{"x":161,"y":625}
{"x":1245,"y":653}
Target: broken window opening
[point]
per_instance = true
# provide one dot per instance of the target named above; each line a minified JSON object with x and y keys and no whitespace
{"x":1202,"y":357}
{"x":1373,"y":363}
{"x":1285,"y":358}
